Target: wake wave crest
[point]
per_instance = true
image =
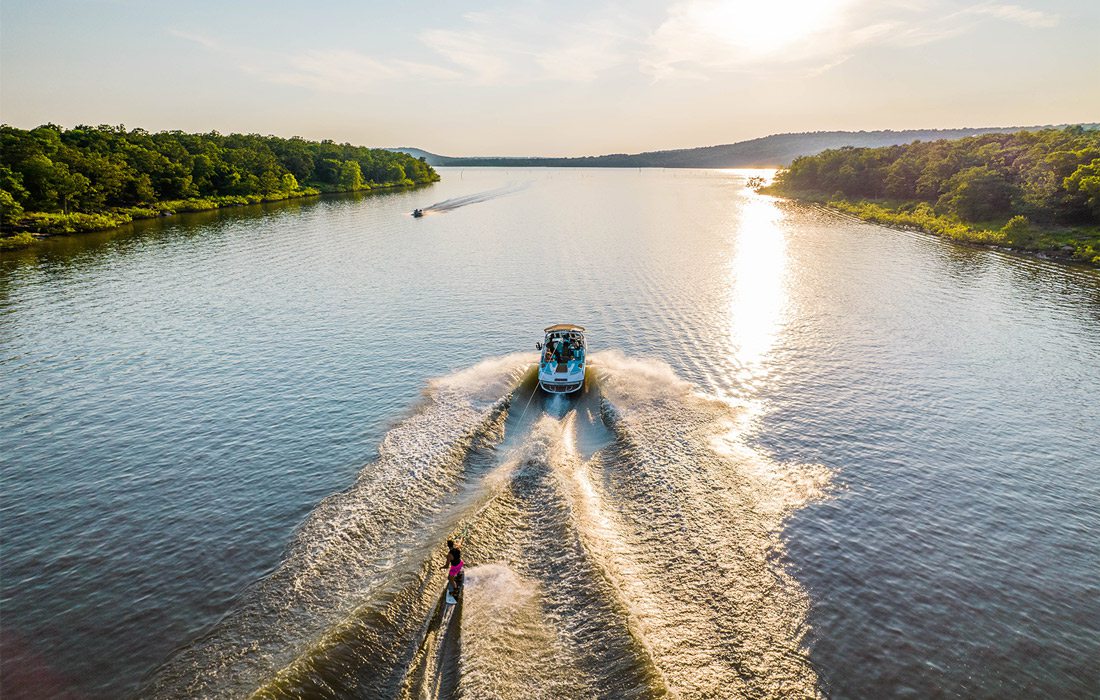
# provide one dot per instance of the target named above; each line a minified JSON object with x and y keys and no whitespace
{"x":354,"y":544}
{"x":466,"y":200}
{"x":623,"y":543}
{"x":722,"y":611}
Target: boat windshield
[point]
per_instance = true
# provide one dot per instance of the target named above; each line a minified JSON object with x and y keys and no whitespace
{"x":563,"y":347}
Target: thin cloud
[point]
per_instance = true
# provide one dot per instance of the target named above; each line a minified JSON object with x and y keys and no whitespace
{"x":694,"y":40}
{"x":1017,"y":14}
{"x":701,"y":37}
{"x":340,"y":71}
{"x":201,"y":40}
{"x":591,"y":52}
{"x":478,"y":56}
{"x":513,"y":47}
{"x":730,"y":35}
{"x":818,"y":70}
{"x":346,"y":71}
{"x":610,"y":40}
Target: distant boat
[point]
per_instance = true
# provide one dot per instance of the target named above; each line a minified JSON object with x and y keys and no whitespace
{"x":417,"y":213}
{"x":562,"y":362}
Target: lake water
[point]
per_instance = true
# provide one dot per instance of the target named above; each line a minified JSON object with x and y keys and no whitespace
{"x":814,"y":457}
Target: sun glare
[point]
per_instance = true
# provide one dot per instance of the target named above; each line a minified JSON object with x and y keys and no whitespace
{"x":761,"y":28}
{"x":758,"y":294}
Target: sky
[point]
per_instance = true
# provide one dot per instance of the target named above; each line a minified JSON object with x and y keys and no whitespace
{"x":554,"y":78}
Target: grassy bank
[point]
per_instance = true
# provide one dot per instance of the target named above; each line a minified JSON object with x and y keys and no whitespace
{"x":57,"y":181}
{"x":1078,"y":243}
{"x":35,"y":226}
{"x":1032,"y":191}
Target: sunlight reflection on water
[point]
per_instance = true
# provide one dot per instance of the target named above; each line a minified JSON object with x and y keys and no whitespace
{"x":758,"y":294}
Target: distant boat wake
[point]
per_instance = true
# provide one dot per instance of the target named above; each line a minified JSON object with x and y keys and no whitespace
{"x":457,"y":202}
{"x":622,"y":543}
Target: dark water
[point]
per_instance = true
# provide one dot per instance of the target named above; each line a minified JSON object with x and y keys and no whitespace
{"x":815,"y":457}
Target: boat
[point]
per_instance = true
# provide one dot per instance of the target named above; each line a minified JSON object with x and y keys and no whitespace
{"x":564,"y":354}
{"x":417,"y":213}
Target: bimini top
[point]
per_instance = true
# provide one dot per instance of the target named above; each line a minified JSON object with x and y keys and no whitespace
{"x":564,"y":327}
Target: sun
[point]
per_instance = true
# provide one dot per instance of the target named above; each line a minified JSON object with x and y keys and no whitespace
{"x":764,"y":27}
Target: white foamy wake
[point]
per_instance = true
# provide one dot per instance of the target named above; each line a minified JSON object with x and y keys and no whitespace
{"x":354,"y":543}
{"x":503,"y":620}
{"x":649,"y":563}
{"x":685,"y":516}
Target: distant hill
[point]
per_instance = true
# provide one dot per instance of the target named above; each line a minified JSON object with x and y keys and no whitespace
{"x":770,"y":151}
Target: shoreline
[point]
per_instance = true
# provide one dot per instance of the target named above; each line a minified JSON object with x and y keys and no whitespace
{"x":1068,"y":245}
{"x":24,"y":236}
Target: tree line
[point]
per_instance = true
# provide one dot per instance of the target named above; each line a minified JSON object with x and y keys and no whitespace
{"x":764,"y":152}
{"x":113,"y":174}
{"x":1050,"y":176}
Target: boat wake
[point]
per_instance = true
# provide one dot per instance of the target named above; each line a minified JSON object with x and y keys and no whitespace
{"x":458,"y":202}
{"x":622,"y":544}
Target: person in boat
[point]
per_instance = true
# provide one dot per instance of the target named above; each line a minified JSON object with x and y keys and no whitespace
{"x":560,"y":351}
{"x":454,"y":567}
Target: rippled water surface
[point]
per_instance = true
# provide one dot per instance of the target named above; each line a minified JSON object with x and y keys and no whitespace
{"x":814,"y":457}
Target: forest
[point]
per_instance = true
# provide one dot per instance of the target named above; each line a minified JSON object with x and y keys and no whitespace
{"x":57,"y":180}
{"x":1032,"y":190}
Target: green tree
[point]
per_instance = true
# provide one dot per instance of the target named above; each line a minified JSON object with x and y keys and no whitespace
{"x":349,"y":176}
{"x":68,"y":185}
{"x":270,"y":183}
{"x":1085,"y":184}
{"x":12,"y":183}
{"x":328,"y":170}
{"x":10,"y":209}
{"x":96,"y":168}
{"x":978,"y":194}
{"x":393,"y":172}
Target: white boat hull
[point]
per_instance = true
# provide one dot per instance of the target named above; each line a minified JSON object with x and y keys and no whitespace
{"x":555,"y":383}
{"x":564,"y":354}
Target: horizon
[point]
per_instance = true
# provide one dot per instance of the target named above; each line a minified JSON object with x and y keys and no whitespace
{"x":406,"y":147}
{"x":549,"y":81}
{"x":1020,"y":127}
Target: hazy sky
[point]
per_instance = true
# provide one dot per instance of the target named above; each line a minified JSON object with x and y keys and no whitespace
{"x":548,"y":78}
